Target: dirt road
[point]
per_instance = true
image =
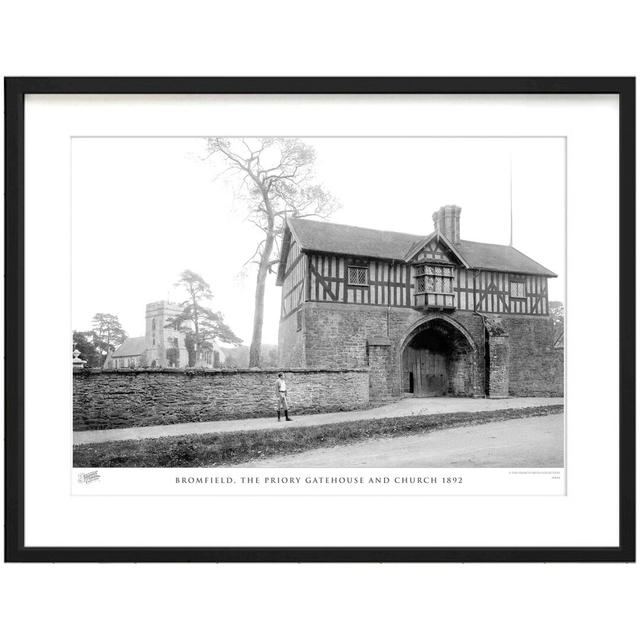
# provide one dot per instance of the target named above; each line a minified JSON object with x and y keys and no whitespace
{"x":528,"y":442}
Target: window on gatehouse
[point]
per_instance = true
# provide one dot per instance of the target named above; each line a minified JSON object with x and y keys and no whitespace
{"x":517,"y":289}
{"x":358,"y":276}
{"x":299,"y":320}
{"x":434,"y":279}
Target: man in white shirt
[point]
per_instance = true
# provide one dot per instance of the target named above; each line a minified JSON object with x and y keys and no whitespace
{"x":281,"y":395}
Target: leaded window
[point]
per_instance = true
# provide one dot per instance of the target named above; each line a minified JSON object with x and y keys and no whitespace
{"x":434,"y":279}
{"x":517,"y":289}
{"x":358,"y":276}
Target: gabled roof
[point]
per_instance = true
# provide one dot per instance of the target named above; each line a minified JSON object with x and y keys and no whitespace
{"x":327,"y":237}
{"x":130,"y":347}
{"x":442,"y":239}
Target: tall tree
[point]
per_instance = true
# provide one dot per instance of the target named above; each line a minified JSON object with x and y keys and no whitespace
{"x":107,"y":332}
{"x":275,"y":177}
{"x":199,"y":322}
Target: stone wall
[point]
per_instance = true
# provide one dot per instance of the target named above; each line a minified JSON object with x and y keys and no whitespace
{"x":129,"y":398}
{"x":463,"y":374}
{"x":381,"y":369}
{"x":535,"y":367}
{"x":291,"y":352}
{"x":336,"y":335}
{"x":498,"y":366}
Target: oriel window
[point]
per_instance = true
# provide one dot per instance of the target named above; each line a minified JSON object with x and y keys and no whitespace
{"x":434,"y":279}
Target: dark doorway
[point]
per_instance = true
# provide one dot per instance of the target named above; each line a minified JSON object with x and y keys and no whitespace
{"x":438,"y":361}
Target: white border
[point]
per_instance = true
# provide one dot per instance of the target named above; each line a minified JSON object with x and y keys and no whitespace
{"x":255,"y":482}
{"x":587,"y":516}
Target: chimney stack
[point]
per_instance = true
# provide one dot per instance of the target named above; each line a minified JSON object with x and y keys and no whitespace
{"x":446,"y":222}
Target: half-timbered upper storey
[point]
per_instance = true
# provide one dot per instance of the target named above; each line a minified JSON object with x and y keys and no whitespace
{"x":321,"y":261}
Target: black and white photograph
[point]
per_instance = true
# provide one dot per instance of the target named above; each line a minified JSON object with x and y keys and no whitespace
{"x":318,"y":302}
{"x":321,"y":320}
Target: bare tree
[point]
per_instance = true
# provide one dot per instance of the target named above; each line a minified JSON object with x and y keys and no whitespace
{"x":275,"y":177}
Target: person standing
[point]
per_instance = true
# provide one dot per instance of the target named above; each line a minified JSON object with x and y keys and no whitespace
{"x":281,"y":395}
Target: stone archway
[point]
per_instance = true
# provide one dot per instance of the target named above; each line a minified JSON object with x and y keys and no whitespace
{"x":439,"y":358}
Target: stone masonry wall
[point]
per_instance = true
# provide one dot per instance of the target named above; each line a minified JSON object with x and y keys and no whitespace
{"x":336,"y":335}
{"x":499,"y":366}
{"x":535,"y":367}
{"x":129,"y":398}
{"x":290,"y":343}
{"x":381,"y":369}
{"x":463,"y":373}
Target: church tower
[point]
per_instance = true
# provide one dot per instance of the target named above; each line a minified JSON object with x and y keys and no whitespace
{"x":164,"y":346}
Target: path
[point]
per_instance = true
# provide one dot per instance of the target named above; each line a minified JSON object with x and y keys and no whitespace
{"x":525,"y":442}
{"x":404,"y":407}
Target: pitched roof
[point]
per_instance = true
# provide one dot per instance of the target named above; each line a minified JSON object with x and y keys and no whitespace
{"x":328,"y":237}
{"x":314,"y":235}
{"x":130,"y":347}
{"x":501,"y":257}
{"x":417,"y":246}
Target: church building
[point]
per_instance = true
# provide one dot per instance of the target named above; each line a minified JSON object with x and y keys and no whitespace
{"x":162,"y":346}
{"x":428,"y":315}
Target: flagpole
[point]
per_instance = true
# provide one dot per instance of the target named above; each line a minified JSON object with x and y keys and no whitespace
{"x":510,"y":200}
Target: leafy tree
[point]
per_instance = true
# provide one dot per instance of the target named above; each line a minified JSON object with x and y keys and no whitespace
{"x":556,"y":311}
{"x":82,"y":341}
{"x":199,"y":323}
{"x":275,"y":178}
{"x":190,"y":345}
{"x":107,"y":333}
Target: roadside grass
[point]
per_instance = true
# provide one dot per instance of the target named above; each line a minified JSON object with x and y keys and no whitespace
{"x":235,"y":448}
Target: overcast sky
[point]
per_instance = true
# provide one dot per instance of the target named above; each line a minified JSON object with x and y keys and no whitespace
{"x":145,"y":209}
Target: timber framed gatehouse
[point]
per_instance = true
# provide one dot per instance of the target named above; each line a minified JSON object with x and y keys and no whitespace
{"x":429,"y":315}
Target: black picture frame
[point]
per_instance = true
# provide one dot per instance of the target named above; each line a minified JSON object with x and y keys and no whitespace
{"x":15,"y":91}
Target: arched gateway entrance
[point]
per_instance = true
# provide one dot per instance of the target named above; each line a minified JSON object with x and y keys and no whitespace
{"x":438,"y":359}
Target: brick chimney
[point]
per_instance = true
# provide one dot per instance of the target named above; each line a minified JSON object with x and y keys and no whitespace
{"x":446,"y":221}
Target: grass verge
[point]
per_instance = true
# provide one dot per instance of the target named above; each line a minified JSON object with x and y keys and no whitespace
{"x":232,"y":448}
